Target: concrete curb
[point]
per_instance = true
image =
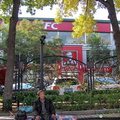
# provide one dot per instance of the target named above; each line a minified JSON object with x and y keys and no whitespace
{"x":83,"y":112}
{"x":88,"y":112}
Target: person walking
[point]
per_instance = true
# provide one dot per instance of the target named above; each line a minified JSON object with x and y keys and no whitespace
{"x":43,"y":108}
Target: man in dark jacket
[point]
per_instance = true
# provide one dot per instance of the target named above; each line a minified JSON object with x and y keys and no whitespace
{"x":43,"y":108}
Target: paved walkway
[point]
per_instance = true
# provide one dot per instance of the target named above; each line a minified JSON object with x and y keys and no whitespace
{"x":99,"y":116}
{"x":81,"y":115}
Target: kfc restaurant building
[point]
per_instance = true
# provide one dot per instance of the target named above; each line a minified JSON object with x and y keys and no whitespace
{"x":64,"y":30}
{"x":75,"y":48}
{"x":78,"y":46}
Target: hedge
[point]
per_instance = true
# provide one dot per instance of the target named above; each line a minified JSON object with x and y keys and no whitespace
{"x":97,"y":99}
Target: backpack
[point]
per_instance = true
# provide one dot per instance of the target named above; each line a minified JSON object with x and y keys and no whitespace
{"x":21,"y":115}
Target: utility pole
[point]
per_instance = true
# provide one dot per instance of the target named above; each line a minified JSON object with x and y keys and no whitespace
{"x":41,"y":61}
{"x":90,"y":66}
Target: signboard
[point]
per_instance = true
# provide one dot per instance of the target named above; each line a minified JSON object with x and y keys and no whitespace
{"x":67,"y":26}
{"x":70,"y":54}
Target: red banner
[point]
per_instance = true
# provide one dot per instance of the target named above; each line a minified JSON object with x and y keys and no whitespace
{"x":67,"y":26}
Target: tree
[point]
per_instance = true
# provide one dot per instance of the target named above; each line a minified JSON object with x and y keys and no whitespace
{"x":99,"y":48}
{"x":11,"y":54}
{"x":10,"y":10}
{"x":85,"y":22}
{"x":28,"y":40}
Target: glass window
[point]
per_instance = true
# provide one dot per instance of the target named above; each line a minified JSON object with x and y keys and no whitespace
{"x":51,"y":35}
{"x":105,"y":37}
{"x":68,"y":39}
{"x":66,"y":36}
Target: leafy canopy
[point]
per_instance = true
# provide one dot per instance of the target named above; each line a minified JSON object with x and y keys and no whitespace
{"x":99,"y":48}
{"x":28,"y":39}
{"x":83,"y":24}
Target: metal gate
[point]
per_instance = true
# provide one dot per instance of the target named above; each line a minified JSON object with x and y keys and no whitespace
{"x":54,"y":67}
{"x":62,"y":66}
{"x":106,"y":71}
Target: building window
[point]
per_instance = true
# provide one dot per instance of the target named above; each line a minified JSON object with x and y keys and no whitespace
{"x":66,"y":36}
{"x":104,"y":36}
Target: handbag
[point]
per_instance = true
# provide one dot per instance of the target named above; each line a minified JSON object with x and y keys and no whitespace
{"x":21,"y":115}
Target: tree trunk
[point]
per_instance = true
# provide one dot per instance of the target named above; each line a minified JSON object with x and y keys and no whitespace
{"x":7,"y":96}
{"x":109,"y":4}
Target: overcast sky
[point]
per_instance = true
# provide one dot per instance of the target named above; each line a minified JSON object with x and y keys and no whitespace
{"x":101,"y":14}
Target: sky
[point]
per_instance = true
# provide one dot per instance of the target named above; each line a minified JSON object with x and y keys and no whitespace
{"x":101,"y":14}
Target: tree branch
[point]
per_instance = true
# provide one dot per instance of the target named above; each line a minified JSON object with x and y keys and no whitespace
{"x":106,"y":3}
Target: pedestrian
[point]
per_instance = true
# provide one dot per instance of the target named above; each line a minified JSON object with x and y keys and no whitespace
{"x":43,"y":108}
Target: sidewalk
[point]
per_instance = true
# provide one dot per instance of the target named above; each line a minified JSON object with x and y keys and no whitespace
{"x":81,"y":115}
{"x":6,"y":118}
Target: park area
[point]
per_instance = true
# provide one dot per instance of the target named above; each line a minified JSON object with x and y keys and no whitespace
{"x":77,"y":101}
{"x":98,"y":104}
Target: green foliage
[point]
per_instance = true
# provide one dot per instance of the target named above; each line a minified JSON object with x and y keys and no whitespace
{"x":26,"y":97}
{"x":7,"y":104}
{"x":97,"y":99}
{"x":99,"y":48}
{"x":107,"y":91}
{"x":53,"y":47}
{"x":28,"y":37}
{"x":28,"y":40}
{"x":83,"y":24}
{"x":6,"y":7}
{"x":52,"y":92}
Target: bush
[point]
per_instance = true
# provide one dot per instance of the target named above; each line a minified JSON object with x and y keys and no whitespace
{"x":107,"y":91}
{"x":76,"y":101}
{"x":52,"y":92}
{"x":52,"y":97}
{"x":26,"y":97}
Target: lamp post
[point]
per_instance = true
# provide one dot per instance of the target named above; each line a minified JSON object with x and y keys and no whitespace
{"x":41,"y":61}
{"x":90,"y":66}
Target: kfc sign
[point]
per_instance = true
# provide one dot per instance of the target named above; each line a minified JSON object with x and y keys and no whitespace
{"x":53,"y":26}
{"x":71,"y":55}
{"x":50,"y":25}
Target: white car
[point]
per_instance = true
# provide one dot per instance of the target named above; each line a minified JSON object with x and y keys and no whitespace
{"x":65,"y":85}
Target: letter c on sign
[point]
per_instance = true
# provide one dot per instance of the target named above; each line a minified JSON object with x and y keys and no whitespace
{"x":53,"y":27}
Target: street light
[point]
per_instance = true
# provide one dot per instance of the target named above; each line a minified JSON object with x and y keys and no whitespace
{"x":90,"y":66}
{"x":41,"y":61}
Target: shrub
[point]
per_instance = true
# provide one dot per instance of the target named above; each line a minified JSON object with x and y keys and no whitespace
{"x":107,"y":91}
{"x":52,"y":92}
{"x":26,"y":97}
{"x":76,"y":101}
